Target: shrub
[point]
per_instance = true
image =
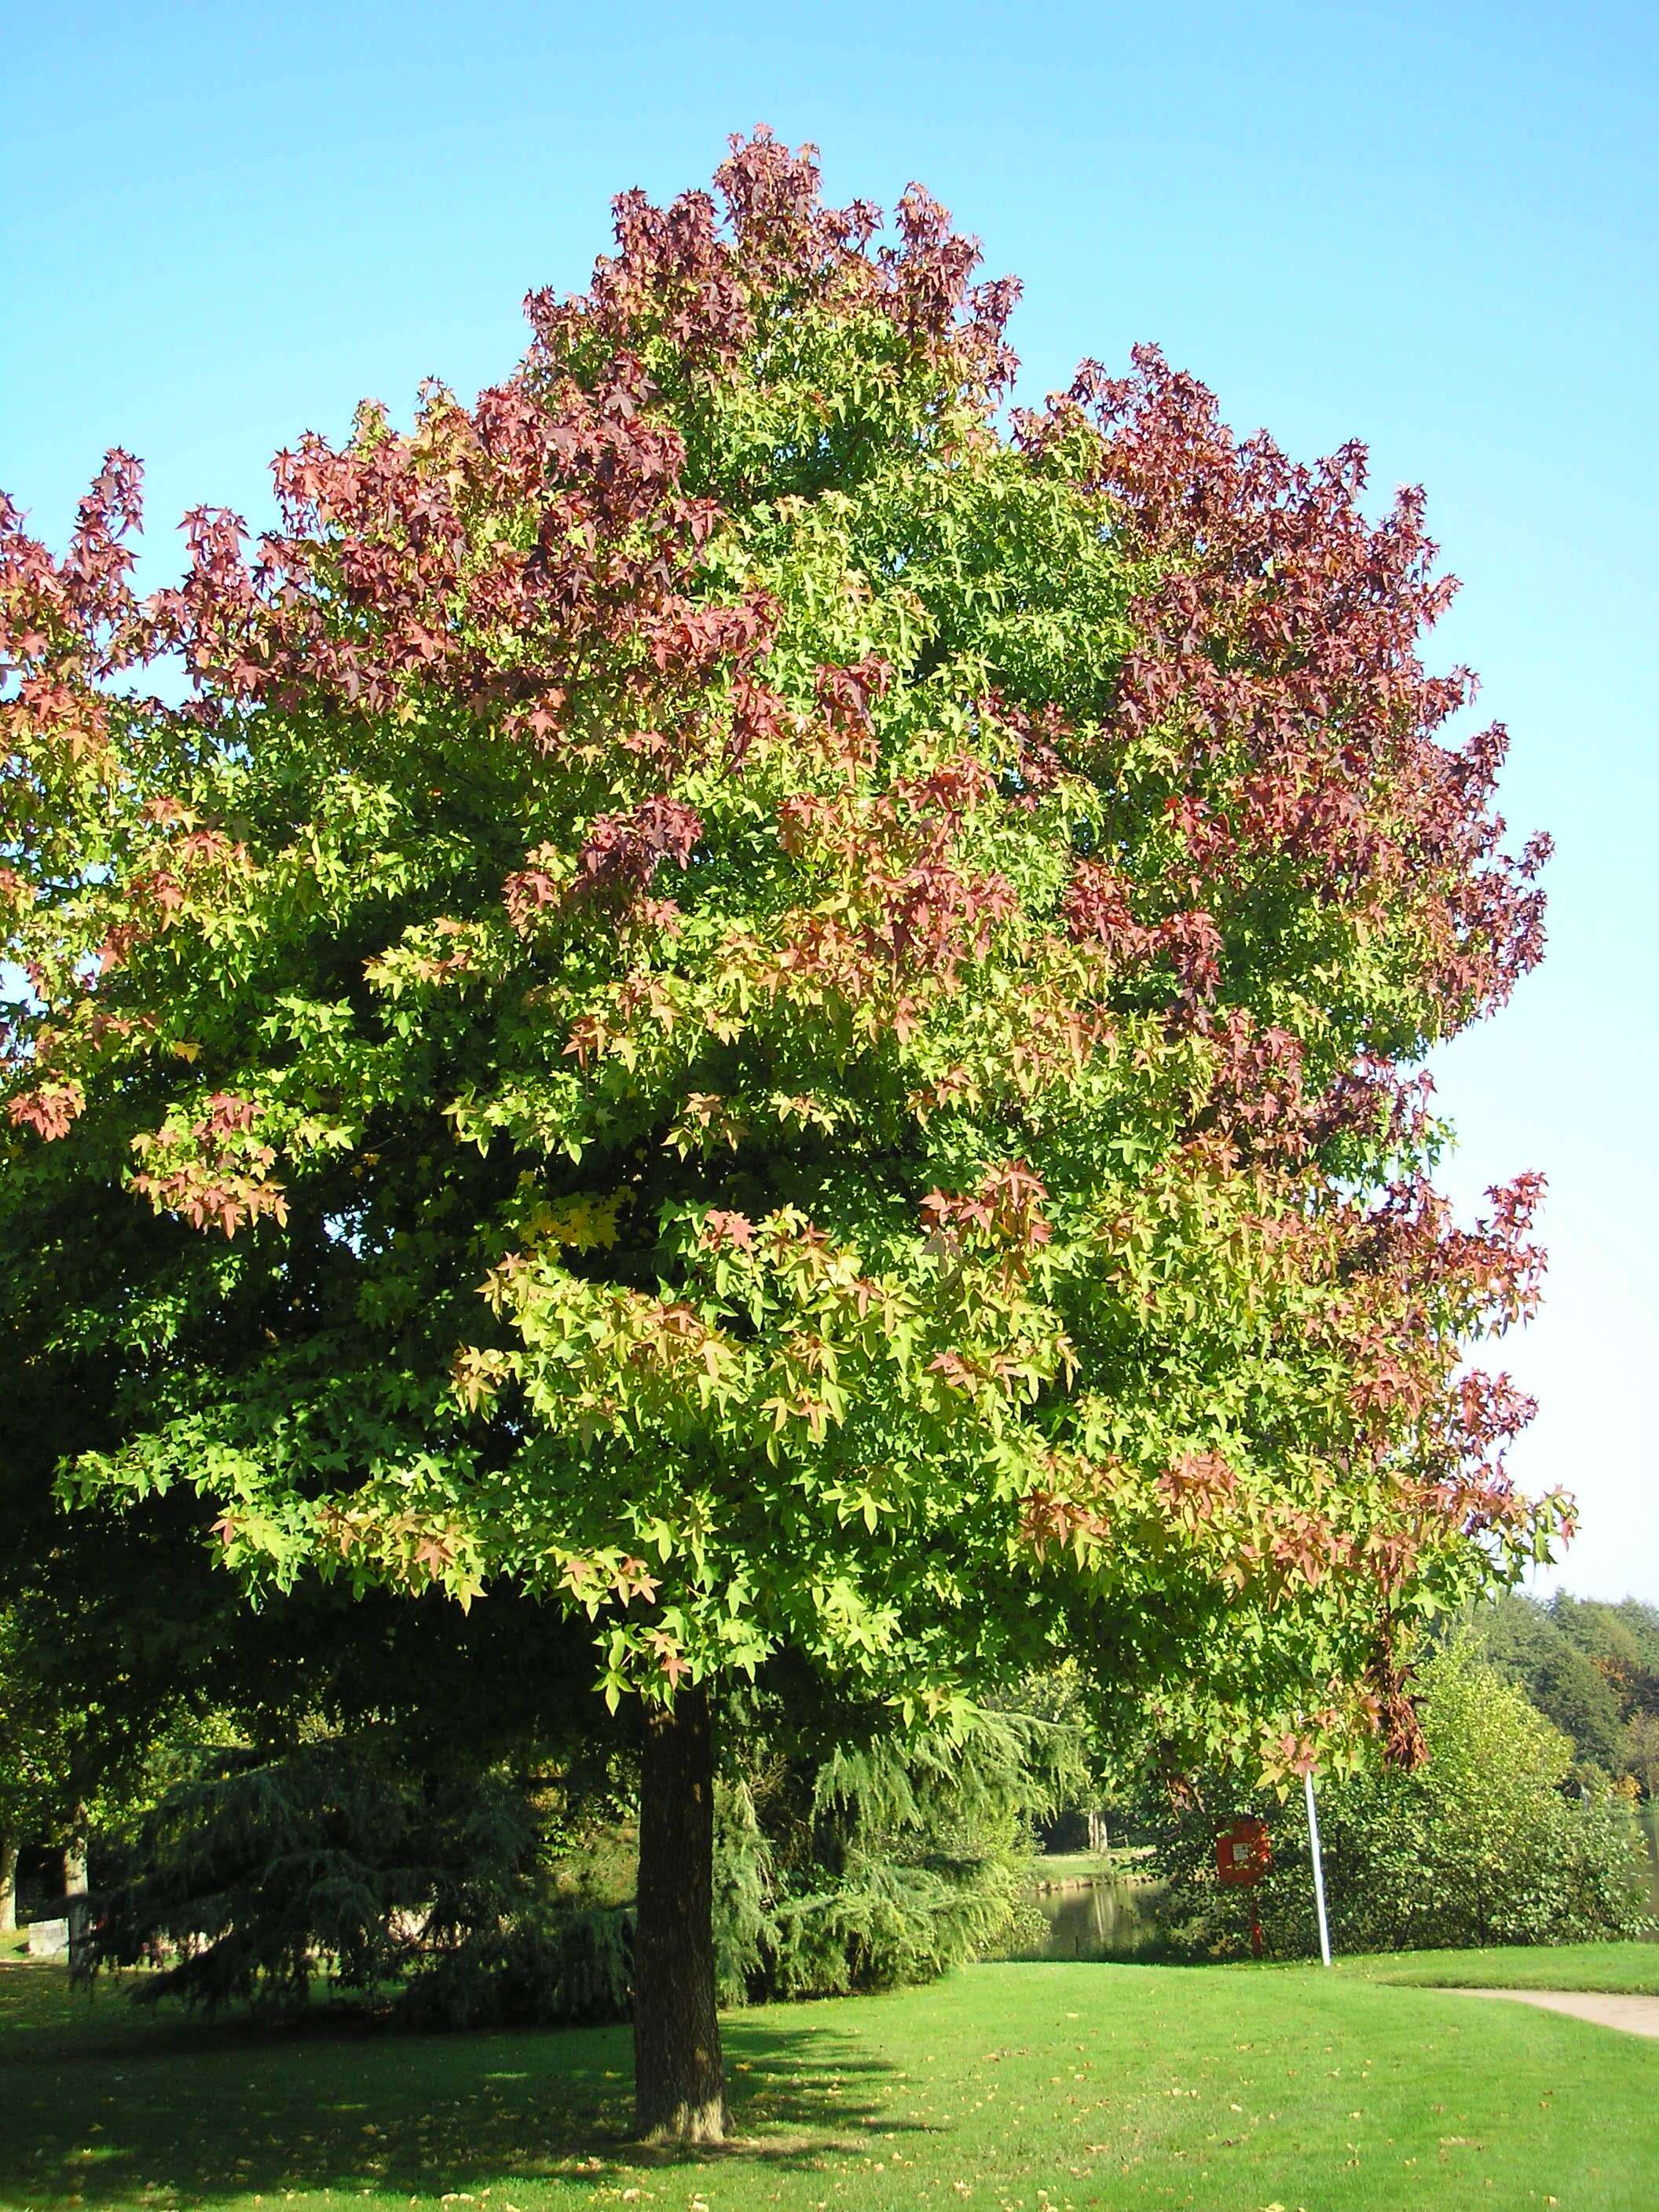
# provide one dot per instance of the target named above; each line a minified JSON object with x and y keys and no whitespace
{"x":1484,"y":1842}
{"x":888,"y":1861}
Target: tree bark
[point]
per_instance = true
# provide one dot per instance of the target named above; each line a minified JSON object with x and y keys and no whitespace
{"x":8,"y":1885}
{"x":77,"y":1905}
{"x":74,"y":1866}
{"x":679,"y":2087}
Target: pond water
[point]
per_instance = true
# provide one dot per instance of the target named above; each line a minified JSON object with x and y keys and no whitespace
{"x":1111,"y":1918}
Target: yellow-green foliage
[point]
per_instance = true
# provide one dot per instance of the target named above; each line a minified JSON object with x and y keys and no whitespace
{"x":778,"y":1011}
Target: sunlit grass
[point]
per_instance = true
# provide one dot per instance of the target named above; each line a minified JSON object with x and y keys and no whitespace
{"x":1087,"y":1866}
{"x":1624,"y":1967}
{"x":1030,"y":2086}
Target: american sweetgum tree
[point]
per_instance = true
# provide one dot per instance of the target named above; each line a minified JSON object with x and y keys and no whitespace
{"x":779,"y":1005}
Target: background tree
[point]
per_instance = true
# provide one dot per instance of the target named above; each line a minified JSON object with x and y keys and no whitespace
{"x":1642,"y":1749}
{"x":1102,"y":1774}
{"x":94,"y":1682}
{"x":886,"y":942}
{"x":1592,"y":1668}
{"x":412,"y":1882}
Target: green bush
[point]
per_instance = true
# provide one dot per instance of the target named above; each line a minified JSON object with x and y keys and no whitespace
{"x":1486,"y":1842}
{"x":885,"y":1862}
{"x":546,"y":1967}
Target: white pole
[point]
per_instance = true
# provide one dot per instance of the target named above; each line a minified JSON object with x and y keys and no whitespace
{"x":1318,"y":1869}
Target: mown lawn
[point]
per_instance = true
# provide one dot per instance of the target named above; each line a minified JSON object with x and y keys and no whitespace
{"x":1085,"y":1866}
{"x":1038,"y":2087}
{"x":1626,"y":1968}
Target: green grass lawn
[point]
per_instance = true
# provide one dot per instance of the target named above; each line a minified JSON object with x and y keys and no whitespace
{"x":1085,"y":1866}
{"x":1623,"y":1967}
{"x":1040,"y":2087}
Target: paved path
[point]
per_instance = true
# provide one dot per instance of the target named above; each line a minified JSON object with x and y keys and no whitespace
{"x":1636,"y":2015}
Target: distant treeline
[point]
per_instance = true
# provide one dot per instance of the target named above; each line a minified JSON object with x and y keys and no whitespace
{"x":1592,"y":1668}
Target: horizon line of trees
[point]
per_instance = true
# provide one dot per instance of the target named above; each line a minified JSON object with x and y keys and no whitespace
{"x":1590,"y":1667}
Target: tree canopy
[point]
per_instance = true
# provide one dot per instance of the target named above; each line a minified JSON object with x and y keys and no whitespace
{"x":779,"y":1002}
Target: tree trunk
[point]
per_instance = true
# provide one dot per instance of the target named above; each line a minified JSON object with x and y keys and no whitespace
{"x":77,"y":1905}
{"x":8,"y":1885}
{"x":679,"y":2089}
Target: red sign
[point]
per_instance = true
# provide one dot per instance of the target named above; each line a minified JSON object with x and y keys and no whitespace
{"x":1242,"y":1853}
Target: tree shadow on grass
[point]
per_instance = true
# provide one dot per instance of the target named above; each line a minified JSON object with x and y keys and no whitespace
{"x":103,"y":2112}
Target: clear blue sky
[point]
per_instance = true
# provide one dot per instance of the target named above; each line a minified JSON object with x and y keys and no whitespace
{"x":1431,"y":225}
